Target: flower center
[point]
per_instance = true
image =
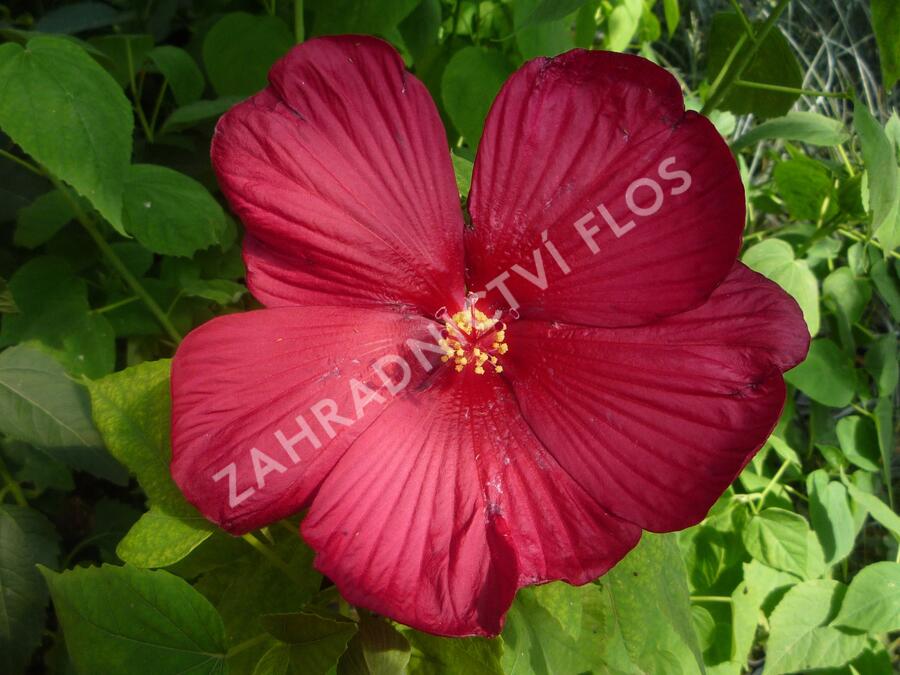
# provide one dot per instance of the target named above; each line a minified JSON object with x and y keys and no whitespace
{"x":471,"y":337}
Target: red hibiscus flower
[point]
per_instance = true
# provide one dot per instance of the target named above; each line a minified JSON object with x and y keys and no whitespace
{"x":466,"y":407}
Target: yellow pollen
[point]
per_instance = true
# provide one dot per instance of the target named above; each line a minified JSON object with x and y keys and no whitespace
{"x":473,"y":337}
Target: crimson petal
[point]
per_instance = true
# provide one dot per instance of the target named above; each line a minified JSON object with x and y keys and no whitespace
{"x":656,"y":421}
{"x":341,"y":175}
{"x":239,"y":380}
{"x":568,"y":137}
{"x":447,"y":504}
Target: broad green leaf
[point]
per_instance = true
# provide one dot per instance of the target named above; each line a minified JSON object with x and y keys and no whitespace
{"x":830,"y":514}
{"x":462,"y":168}
{"x":882,"y":174}
{"x":649,"y":588}
{"x":622,"y":24}
{"x":673,"y":15}
{"x":544,"y":11}
{"x":876,"y":508}
{"x":883,"y":415}
{"x":774,"y":64}
{"x":349,"y":16}
{"x":759,"y":582}
{"x":26,"y":539}
{"x":385,"y":649}
{"x":181,"y":72}
{"x":421,"y":30}
{"x":886,"y":25}
{"x":79,"y":17}
{"x":806,"y":127}
{"x":806,"y":188}
{"x":68,"y":114}
{"x":48,"y":296}
{"x":775,"y":259}
{"x":777,"y":538}
{"x":826,"y":376}
{"x":169,"y":212}
{"x":849,"y":294}
{"x":131,"y":409}
{"x":220,"y":291}
{"x":800,"y":640}
{"x":311,"y":644}
{"x":41,"y":405}
{"x":200,"y":111}
{"x":39,"y":221}
{"x":433,"y":655}
{"x":239,"y":50}
{"x":881,"y":362}
{"x":859,"y":441}
{"x":872,"y":603}
{"x":469,"y":85}
{"x":126,"y":620}
{"x":546,"y":38}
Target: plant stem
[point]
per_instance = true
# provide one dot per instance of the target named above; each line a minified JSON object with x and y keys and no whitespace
{"x":14,"y":487}
{"x":158,"y":105}
{"x":115,"y":305}
{"x":724,"y":86}
{"x":299,"y":28}
{"x":116,"y":262}
{"x":247,"y":644}
{"x":772,"y":483}
{"x":22,"y":162}
{"x":789,"y":90}
{"x":148,"y":132}
{"x":711,"y":598}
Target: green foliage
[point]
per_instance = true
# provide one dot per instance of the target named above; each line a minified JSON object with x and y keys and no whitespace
{"x":117,"y":243}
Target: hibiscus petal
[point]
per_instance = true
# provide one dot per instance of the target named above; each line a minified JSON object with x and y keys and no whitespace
{"x":567,"y":138}
{"x":447,"y":504}
{"x":656,"y":421}
{"x":341,"y":174}
{"x":239,"y":380}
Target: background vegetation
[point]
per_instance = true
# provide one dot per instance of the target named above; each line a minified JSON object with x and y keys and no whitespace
{"x":116,"y":243}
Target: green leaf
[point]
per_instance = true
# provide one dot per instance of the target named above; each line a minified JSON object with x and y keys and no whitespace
{"x":673,"y":15}
{"x":775,"y":259}
{"x":858,"y":439}
{"x":239,"y":50}
{"x":49,"y":295}
{"x":41,"y":405}
{"x":876,"y":508}
{"x":872,"y":602}
{"x":827,"y":375}
{"x":122,"y":55}
{"x":385,"y":650}
{"x":882,"y":174}
{"x":39,"y":221}
{"x":26,"y":539}
{"x":831,"y":518}
{"x":622,"y":24}
{"x":131,"y":409}
{"x":433,"y":655}
{"x":778,"y":538}
{"x":169,"y":212}
{"x":65,"y":111}
{"x":849,"y":294}
{"x":806,"y":188}
{"x":800,"y":640}
{"x":774,"y":64}
{"x":312,"y":644}
{"x":881,"y":362}
{"x":545,"y":11}
{"x":462,"y":168}
{"x":122,"y":619}
{"x":195,"y":113}
{"x":181,"y":72}
{"x":546,"y":38}
{"x":333,"y":17}
{"x":886,"y":24}
{"x":806,"y":127}
{"x":220,"y":291}
{"x":883,"y":416}
{"x":759,"y":582}
{"x":650,"y":605}
{"x":470,"y":83}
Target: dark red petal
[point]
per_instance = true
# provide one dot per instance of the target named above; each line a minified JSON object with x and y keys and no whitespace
{"x":241,"y":378}
{"x":340,"y":172}
{"x":656,"y":421}
{"x":447,"y":504}
{"x":569,"y":134}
